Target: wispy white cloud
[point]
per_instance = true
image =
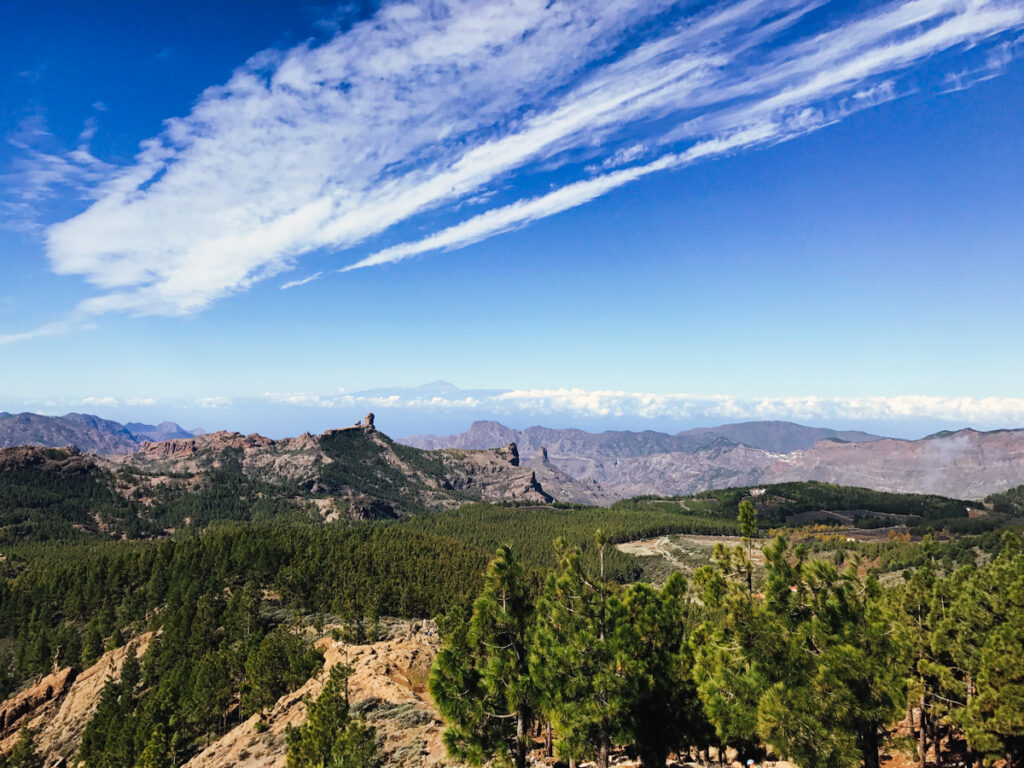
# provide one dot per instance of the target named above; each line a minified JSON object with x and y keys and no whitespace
{"x":42,"y":168}
{"x":55,"y":328}
{"x":303,"y":281}
{"x":617,"y":404}
{"x":993,"y":65}
{"x":428,"y":106}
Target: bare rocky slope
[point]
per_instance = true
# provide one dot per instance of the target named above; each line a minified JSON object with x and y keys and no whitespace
{"x":388,"y":686}
{"x":966,"y":464}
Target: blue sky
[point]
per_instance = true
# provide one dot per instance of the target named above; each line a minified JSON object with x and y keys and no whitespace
{"x":630,"y":213}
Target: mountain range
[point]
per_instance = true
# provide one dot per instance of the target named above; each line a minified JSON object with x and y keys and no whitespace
{"x":85,"y":432}
{"x":611,"y":465}
{"x":577,"y":466}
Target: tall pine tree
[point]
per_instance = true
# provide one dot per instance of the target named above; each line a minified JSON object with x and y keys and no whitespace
{"x":480,"y":680}
{"x":331,"y":737}
{"x":664,"y":713}
{"x":988,"y":644}
{"x":576,"y":659}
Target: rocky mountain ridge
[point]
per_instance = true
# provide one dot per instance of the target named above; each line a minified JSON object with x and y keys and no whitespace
{"x":354,"y":472}
{"x":375,"y":476}
{"x":440,"y":479}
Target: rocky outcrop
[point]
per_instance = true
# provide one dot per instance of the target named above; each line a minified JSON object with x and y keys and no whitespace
{"x":60,"y":705}
{"x":294,"y":459}
{"x":362,"y":506}
{"x":66,"y":461}
{"x":494,"y":475}
{"x":214,"y":441}
{"x":387,"y":686}
{"x":17,"y":710}
{"x":563,"y":487}
{"x":534,"y":492}
{"x":510,"y":453}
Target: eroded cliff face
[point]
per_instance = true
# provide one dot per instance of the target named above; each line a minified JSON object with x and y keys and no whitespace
{"x":60,"y":705}
{"x":387,"y":686}
{"x":494,"y":475}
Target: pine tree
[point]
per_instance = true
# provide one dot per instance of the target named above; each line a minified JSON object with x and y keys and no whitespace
{"x":210,"y":690}
{"x":8,"y":680}
{"x":748,"y":530}
{"x":732,"y":650}
{"x":842,"y":635}
{"x":481,"y":678}
{"x":24,"y":754}
{"x":815,"y":669}
{"x":576,"y":660}
{"x":988,"y":643}
{"x":280,"y":662}
{"x":934,"y":685}
{"x":157,"y":753}
{"x":330,"y":737}
{"x":664,"y":712}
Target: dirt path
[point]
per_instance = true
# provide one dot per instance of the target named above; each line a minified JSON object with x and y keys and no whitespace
{"x":661,"y":547}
